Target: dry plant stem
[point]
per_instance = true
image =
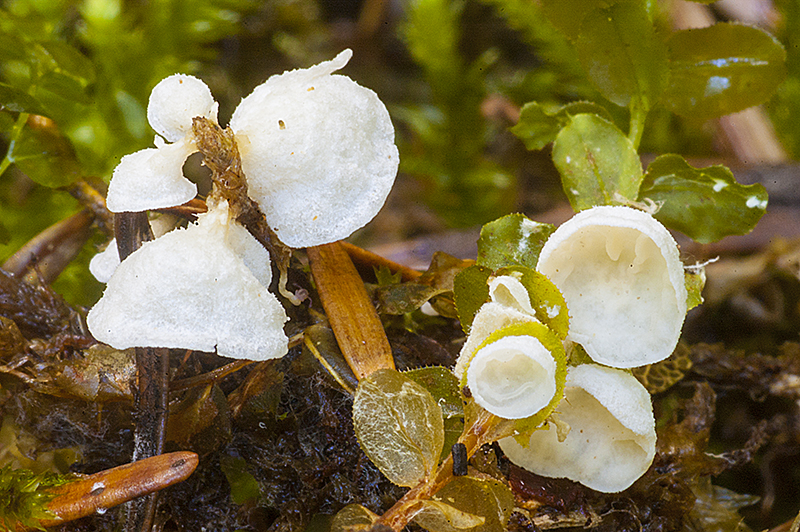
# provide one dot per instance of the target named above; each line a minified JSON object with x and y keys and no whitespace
{"x":152,"y":387}
{"x":53,"y":249}
{"x":364,"y":259}
{"x":95,"y":202}
{"x":113,"y":487}
{"x":353,"y":318}
{"x":484,"y":429}
{"x":209,"y":377}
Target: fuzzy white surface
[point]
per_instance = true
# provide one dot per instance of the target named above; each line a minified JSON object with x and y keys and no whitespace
{"x":175,"y":101}
{"x":513,"y":377}
{"x":192,"y":289}
{"x":318,"y":153}
{"x":620,"y":273}
{"x":612,"y":436}
{"x":151,"y":179}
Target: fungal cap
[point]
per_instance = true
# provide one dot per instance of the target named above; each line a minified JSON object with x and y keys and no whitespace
{"x":151,"y":179}
{"x":510,"y":303}
{"x":175,"y":101}
{"x":620,"y":273}
{"x":612,"y":437}
{"x":518,"y":371}
{"x":103,"y":264}
{"x":193,"y":289}
{"x":318,"y":152}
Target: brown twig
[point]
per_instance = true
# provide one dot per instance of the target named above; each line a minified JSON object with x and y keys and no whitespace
{"x":53,"y":249}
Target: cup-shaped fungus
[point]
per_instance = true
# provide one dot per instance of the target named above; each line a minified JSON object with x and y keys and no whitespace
{"x":153,"y":178}
{"x":318,"y":152}
{"x":514,"y":365}
{"x":611,"y":440}
{"x":620,"y":273}
{"x":518,"y":371}
{"x":202,"y":288}
{"x":509,"y":303}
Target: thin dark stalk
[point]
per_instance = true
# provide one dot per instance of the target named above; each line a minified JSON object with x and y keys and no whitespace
{"x":152,"y":384}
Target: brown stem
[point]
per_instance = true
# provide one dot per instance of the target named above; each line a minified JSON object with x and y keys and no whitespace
{"x":53,"y":249}
{"x":95,"y":202}
{"x":365,"y":261}
{"x":152,"y":382}
{"x":484,"y":429}
{"x":353,"y":318}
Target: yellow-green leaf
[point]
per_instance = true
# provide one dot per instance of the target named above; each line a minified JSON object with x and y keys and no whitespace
{"x":399,"y":426}
{"x":598,"y":164}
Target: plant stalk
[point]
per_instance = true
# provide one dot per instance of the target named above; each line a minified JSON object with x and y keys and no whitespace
{"x":151,"y":391}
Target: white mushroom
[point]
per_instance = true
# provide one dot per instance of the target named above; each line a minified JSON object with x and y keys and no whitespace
{"x":514,"y":377}
{"x":620,"y":273}
{"x":152,"y":178}
{"x":201,"y":288}
{"x":103,"y":264}
{"x":510,"y":303}
{"x":612,"y":438}
{"x":175,"y":101}
{"x":318,"y":153}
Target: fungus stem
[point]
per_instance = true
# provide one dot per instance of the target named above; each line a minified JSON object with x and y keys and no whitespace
{"x":152,"y":386}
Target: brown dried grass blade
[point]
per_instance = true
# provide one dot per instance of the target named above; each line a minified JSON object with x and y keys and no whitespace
{"x":352,"y":316}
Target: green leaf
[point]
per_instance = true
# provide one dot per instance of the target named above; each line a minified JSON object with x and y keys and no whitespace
{"x":64,"y":70}
{"x":353,"y":518}
{"x":18,"y":101}
{"x":706,"y":204}
{"x":397,"y":299}
{"x":471,"y":291}
{"x":399,"y":426}
{"x":546,"y":299}
{"x":597,"y":163}
{"x":622,"y":55}
{"x":46,"y":156}
{"x":244,"y":486}
{"x":722,"y":69}
{"x":443,"y":386}
{"x":512,"y":240}
{"x":488,"y":499}
{"x":538,"y":127}
{"x":695,"y":280}
{"x":567,"y":15}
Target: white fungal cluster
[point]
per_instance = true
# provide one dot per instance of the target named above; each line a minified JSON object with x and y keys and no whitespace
{"x":621,"y":277}
{"x":319,"y":158}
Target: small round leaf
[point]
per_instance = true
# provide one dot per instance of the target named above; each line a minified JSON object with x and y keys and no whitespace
{"x":399,"y":426}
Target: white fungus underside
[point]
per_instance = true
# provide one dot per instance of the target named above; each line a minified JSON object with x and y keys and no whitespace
{"x":513,"y":377}
{"x":189,"y":289}
{"x":318,"y":152}
{"x":620,"y":273}
{"x":612,"y":438}
{"x":151,"y":179}
{"x":175,"y":101}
